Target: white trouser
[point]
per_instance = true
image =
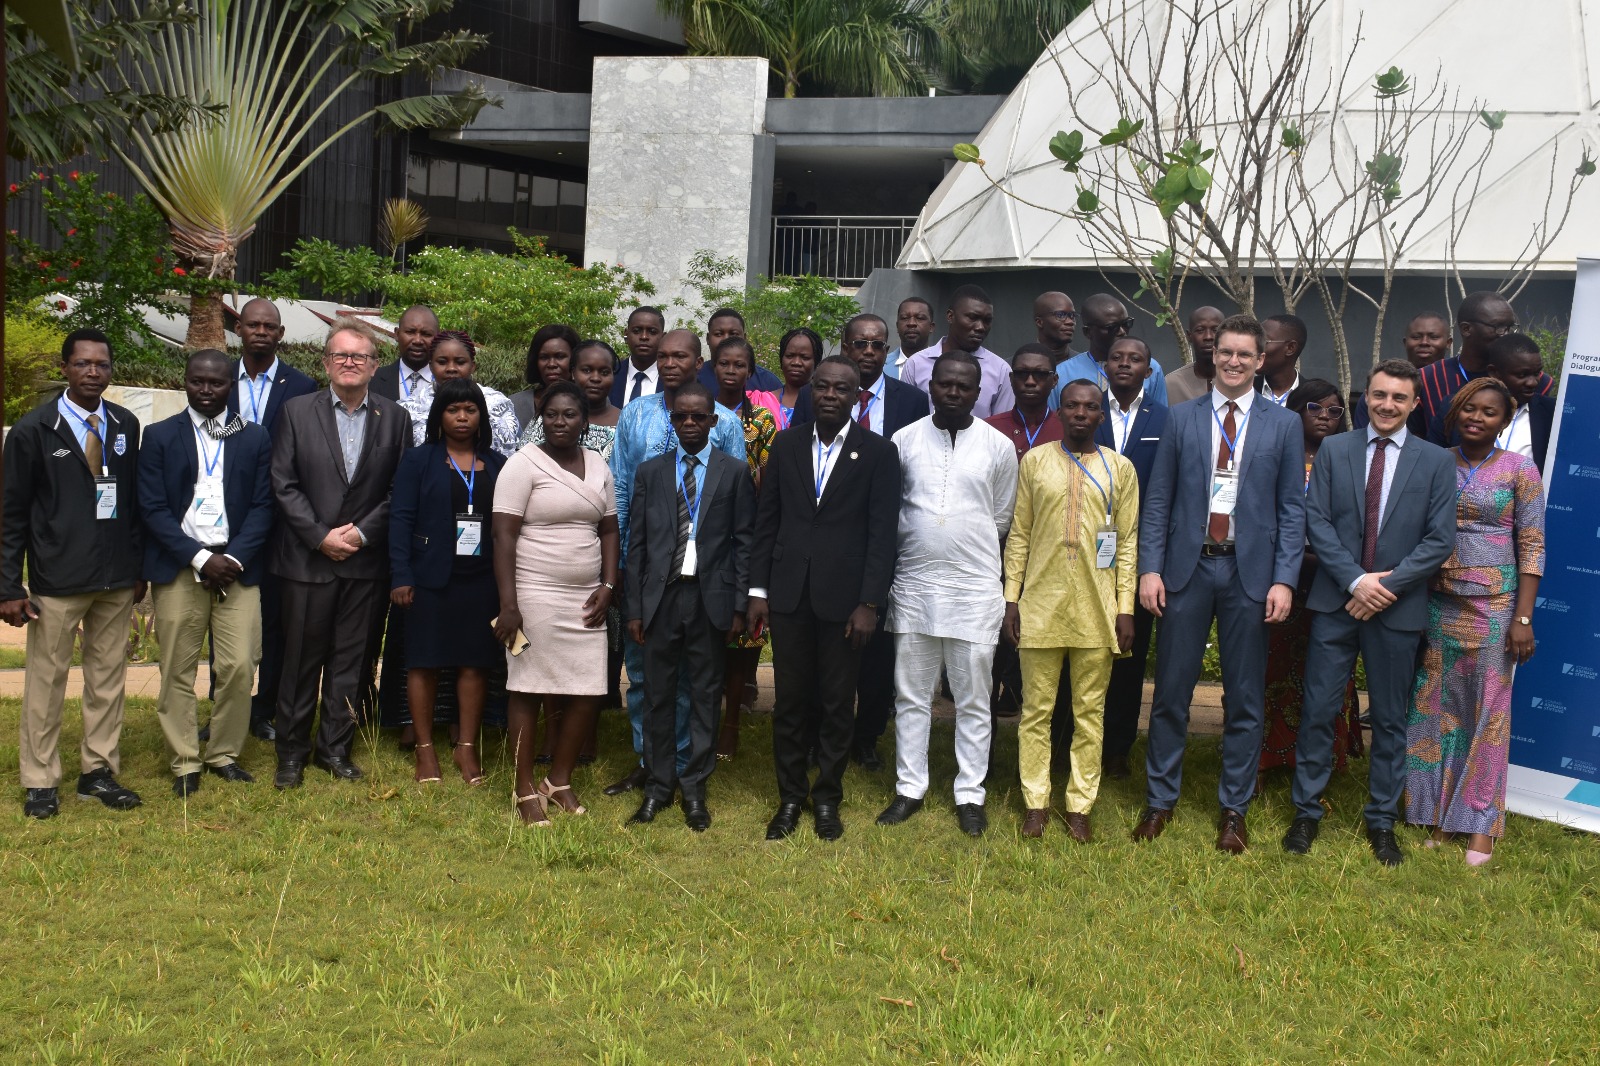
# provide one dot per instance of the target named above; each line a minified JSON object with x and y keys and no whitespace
{"x":916,"y":674}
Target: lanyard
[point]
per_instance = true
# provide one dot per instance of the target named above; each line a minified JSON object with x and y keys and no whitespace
{"x":1472,"y":471}
{"x":1126,"y":416}
{"x":1233,"y":442}
{"x":255,"y":396}
{"x":1032,"y":435}
{"x":105,"y":470}
{"x":824,"y":458}
{"x":693,"y":508}
{"x":1110,"y":487}
{"x":866,"y":412}
{"x":787,"y":414}
{"x":1504,"y":442}
{"x":211,"y":461}
{"x":466,"y":480}
{"x":1266,"y":390}
{"x":405,"y":375}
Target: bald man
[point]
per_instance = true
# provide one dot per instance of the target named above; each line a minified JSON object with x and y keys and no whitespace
{"x":1055,"y":320}
{"x":1194,"y":379}
{"x":414,"y":334}
{"x":1105,"y":319}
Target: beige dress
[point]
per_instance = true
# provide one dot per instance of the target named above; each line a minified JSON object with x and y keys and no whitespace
{"x":558,"y":567}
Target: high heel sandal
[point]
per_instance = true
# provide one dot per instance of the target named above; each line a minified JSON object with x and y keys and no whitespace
{"x":426,"y":780}
{"x":548,"y":791}
{"x":541,"y":805}
{"x":480,"y":778}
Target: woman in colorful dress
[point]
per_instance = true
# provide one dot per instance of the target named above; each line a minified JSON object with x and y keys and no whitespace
{"x":733,"y":361}
{"x":549,"y":359}
{"x":1322,"y":414}
{"x":1480,"y":626}
{"x":798,"y":353}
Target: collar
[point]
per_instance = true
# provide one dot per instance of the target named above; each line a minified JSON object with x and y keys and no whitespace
{"x":338,"y":404}
{"x":649,"y":372}
{"x":271,"y":373}
{"x":405,"y":371}
{"x":1397,"y":438}
{"x":703,"y":455}
{"x":1275,"y":397}
{"x":1218,"y":401}
{"x":877,"y":387}
{"x":838,"y":438}
{"x":1117,"y":409}
{"x":81,"y":413}
{"x":200,"y":420}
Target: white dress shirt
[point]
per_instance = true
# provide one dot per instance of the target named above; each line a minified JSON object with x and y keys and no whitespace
{"x":874,"y":398}
{"x":410,"y":381}
{"x":1123,"y":418}
{"x":1266,"y":390}
{"x":1241,"y":423}
{"x":255,"y":393}
{"x":1518,"y":436}
{"x":648,"y":385}
{"x":1391,"y":460}
{"x":208,"y":480}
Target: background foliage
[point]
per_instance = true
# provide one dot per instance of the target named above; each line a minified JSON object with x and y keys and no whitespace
{"x":33,"y":350}
{"x":771,"y":307}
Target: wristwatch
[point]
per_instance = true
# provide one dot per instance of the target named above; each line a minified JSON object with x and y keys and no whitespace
{"x":609,"y":586}
{"x":1523,"y":620}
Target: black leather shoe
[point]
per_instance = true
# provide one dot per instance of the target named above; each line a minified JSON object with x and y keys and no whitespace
{"x":263,"y":729}
{"x":101,"y":785}
{"x":866,"y":757}
{"x":631,"y":783}
{"x":1301,"y":835}
{"x":1117,"y":768}
{"x":42,"y":803}
{"x":785,"y":822}
{"x":342,"y":768}
{"x":972,"y":818}
{"x":696,"y":815}
{"x":230,"y":771}
{"x":1384,"y":847}
{"x":649,"y":807}
{"x":899,"y":809}
{"x":291,"y":772}
{"x":828,"y":825}
{"x":186,"y":784}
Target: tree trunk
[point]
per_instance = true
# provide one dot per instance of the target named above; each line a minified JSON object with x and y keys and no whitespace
{"x":206,"y":328}
{"x":210,"y":256}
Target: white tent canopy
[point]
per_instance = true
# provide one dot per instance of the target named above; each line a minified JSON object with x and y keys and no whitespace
{"x":1532,"y":61}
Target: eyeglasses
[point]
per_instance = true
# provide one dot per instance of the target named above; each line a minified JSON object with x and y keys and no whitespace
{"x":692,"y":416}
{"x":348,"y":358}
{"x":1062,"y":316}
{"x":1317,"y":409}
{"x":1029,"y":375}
{"x":1497,"y":329}
{"x":865,"y":345}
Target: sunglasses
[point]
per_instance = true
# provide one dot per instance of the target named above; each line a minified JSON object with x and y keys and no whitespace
{"x":1318,"y":409}
{"x":1123,"y":324}
{"x":1029,"y":375}
{"x":692,"y":416}
{"x":864,"y":345}
{"x":1062,"y":316}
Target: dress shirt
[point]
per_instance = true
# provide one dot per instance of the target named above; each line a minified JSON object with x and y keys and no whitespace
{"x":1085,"y":366}
{"x":210,"y":458}
{"x":1391,"y":461}
{"x":410,"y":380}
{"x":1518,"y":436}
{"x":1266,"y":390}
{"x":644,"y":432}
{"x":1123,"y":418}
{"x":893,"y":362}
{"x":352,"y":429}
{"x":1241,"y":423}
{"x":504,"y":431}
{"x":702,"y":457}
{"x":649,"y":385}
{"x":994,"y":384}
{"x":255,"y":393}
{"x":875,"y":409}
{"x":823,"y":463}
{"x":80,"y":424}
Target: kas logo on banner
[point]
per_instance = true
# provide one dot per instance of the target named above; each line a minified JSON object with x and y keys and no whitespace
{"x":1578,"y":670}
{"x":1578,"y":766}
{"x":1544,"y":603}
{"x":1539,"y":703}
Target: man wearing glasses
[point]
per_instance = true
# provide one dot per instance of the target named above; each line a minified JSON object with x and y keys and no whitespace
{"x":1481,"y":317}
{"x":1104,"y":320}
{"x":1055,"y":321}
{"x":333,"y":462}
{"x":969,"y":318}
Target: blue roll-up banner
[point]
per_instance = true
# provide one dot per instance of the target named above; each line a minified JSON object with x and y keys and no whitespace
{"x":1555,"y":710}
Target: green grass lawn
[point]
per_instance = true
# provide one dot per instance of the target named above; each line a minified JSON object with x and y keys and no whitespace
{"x":387,"y":922}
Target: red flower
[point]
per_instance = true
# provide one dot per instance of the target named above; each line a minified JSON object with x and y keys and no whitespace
{"x":61,"y":305}
{"x":38,"y":175}
{"x":72,"y":232}
{"x":13,"y":187}
{"x":182,"y":273}
{"x":73,"y":175}
{"x":44,"y":265}
{"x":61,"y":277}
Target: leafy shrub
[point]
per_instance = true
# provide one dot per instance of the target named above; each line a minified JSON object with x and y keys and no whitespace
{"x":1552,"y":342}
{"x":320,"y":267}
{"x":33,"y":348}
{"x":771,"y":307}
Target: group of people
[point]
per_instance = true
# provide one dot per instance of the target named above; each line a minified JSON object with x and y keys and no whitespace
{"x":891,"y":518}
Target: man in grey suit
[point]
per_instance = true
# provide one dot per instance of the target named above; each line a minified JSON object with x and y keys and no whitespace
{"x":685,"y":595}
{"x":333,"y":462}
{"x":1221,"y":536}
{"x":1381,"y":516}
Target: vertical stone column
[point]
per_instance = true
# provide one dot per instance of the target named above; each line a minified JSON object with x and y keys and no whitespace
{"x":679,"y":161}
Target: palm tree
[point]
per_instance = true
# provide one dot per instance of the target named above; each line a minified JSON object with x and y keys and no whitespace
{"x":989,"y":45}
{"x":278,"y":67}
{"x":851,"y":47}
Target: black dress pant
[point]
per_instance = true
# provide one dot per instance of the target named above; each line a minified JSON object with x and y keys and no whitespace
{"x":681,"y":637}
{"x":264,"y":705}
{"x":1125,"y":695}
{"x":874,"y":687}
{"x":326,"y":627}
{"x":814,"y":678}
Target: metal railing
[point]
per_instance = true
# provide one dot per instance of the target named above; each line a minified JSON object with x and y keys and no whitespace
{"x":846,"y":248}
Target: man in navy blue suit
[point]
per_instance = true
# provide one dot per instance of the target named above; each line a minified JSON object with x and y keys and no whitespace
{"x":205,"y":496}
{"x":1221,"y":536}
{"x":1133,"y":426}
{"x":262,"y":384}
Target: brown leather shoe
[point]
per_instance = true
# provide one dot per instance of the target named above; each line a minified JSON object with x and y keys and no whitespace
{"x":1078,"y":827}
{"x":1150,"y":826}
{"x":1232,"y":836}
{"x":1033,"y":825}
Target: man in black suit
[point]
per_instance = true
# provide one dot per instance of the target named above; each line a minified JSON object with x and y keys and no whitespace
{"x":685,"y":596}
{"x":414,"y":334}
{"x":1133,"y":425}
{"x":333,"y":465}
{"x":884,"y":406}
{"x":823,"y":560}
{"x":205,"y":490}
{"x":262,"y":385}
{"x":638,"y":375}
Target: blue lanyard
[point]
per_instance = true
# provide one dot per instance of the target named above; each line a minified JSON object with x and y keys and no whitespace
{"x":1274,"y":397}
{"x":1016,"y":412}
{"x":255,"y":399}
{"x":866,"y":412}
{"x":1110,"y":487}
{"x":1472,"y":471}
{"x":823,"y":459}
{"x":693,"y":508}
{"x":105,"y":470}
{"x":212,"y":460}
{"x":787,"y":414}
{"x":405,"y":373}
{"x":1233,"y":442}
{"x":468,"y":481}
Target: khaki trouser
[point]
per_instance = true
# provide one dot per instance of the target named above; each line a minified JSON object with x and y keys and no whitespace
{"x":184,"y":610}
{"x":105,"y":657}
{"x":1041,"y":673}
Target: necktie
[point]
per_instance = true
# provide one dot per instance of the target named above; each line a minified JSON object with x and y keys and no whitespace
{"x":1217,"y":527}
{"x":1369,"y":531}
{"x":91,"y":447}
{"x":862,"y":417}
{"x":685,"y":505}
{"x":638,"y":385}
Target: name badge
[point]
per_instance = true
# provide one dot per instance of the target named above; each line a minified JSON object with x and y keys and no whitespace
{"x":1105,"y":547}
{"x":209,"y":506}
{"x":689,"y":560}
{"x":105,"y":498}
{"x":469,"y":534}
{"x":1224,"y":492}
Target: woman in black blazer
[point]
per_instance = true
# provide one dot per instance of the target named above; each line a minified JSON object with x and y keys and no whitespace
{"x":442,"y":567}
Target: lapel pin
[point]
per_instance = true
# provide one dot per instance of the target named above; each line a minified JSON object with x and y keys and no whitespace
{"x":852,"y":455}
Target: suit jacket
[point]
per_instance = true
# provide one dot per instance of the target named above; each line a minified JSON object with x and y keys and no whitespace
{"x":902,"y":405}
{"x":314,"y":495}
{"x":169,"y":464}
{"x":422,"y":516}
{"x":840,"y":550}
{"x":1417,"y":535}
{"x":1541,"y":417}
{"x":1269,"y":512}
{"x":1144,"y":437}
{"x":726,"y":514}
{"x":49,"y":505}
{"x":286,"y":385}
